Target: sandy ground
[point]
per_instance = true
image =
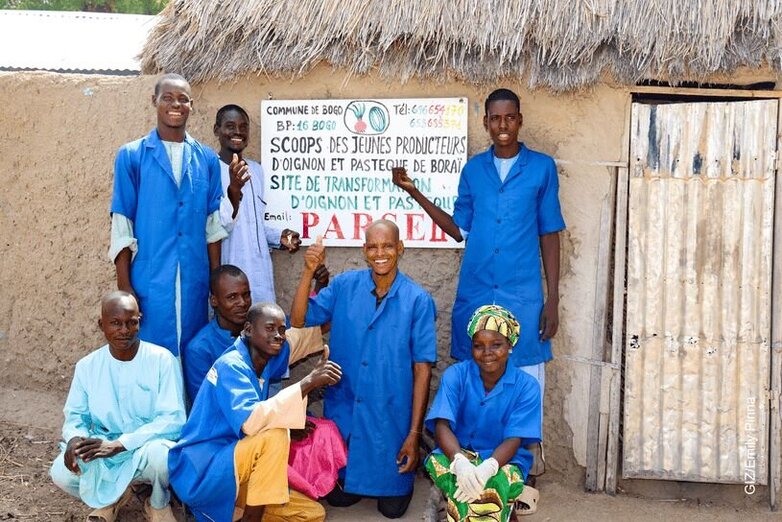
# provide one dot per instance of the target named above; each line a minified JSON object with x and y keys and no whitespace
{"x":29,"y":442}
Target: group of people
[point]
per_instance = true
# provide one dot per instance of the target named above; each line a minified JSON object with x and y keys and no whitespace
{"x":179,"y":402}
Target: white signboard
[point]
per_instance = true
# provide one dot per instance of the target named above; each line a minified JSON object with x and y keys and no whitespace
{"x":328,"y":165}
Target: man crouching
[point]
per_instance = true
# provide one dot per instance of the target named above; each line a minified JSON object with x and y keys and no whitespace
{"x":232,"y":459}
{"x":124,"y":410}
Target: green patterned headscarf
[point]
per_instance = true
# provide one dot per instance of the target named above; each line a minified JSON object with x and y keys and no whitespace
{"x":495,"y":318}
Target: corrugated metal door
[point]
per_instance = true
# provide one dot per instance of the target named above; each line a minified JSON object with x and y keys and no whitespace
{"x":700,"y":229}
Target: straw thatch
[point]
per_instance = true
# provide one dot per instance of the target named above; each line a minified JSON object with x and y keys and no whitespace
{"x":560,"y":44}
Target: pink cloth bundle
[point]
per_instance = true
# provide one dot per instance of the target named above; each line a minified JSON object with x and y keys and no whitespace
{"x":314,"y":462}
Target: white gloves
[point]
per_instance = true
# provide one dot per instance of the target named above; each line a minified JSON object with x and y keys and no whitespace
{"x":486,"y":470}
{"x":465,"y":478}
{"x":471,"y":480}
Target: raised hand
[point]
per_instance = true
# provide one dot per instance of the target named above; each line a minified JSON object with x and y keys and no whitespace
{"x":315,"y":255}
{"x":239,"y":174}
{"x":321,"y":277}
{"x":325,"y":373}
{"x":401,"y":179}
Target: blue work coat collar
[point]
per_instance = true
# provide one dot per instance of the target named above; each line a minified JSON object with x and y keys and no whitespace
{"x":259,"y":382}
{"x":244,"y":351}
{"x":222,"y":334}
{"x":508,"y":378}
{"x":154,"y":142}
{"x":488,"y":159}
{"x":369,"y":285}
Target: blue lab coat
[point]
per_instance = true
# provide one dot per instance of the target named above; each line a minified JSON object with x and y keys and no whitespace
{"x":376,"y":348}
{"x":201,"y":465}
{"x":169,"y":224}
{"x":481,"y":421}
{"x":501,"y":263}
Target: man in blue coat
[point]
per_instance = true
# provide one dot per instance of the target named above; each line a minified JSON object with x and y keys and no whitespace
{"x":165,"y":230}
{"x":383,"y":338}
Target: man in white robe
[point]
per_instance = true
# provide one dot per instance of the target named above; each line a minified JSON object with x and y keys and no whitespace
{"x":124,"y":411}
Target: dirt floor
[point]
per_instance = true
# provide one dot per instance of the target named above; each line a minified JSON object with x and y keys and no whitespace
{"x":28,"y":442}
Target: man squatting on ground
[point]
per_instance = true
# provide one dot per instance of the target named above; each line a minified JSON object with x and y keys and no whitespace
{"x":383,"y":337}
{"x":319,"y":451}
{"x":231,"y":461}
{"x":124,"y":409}
{"x":507,"y":210}
{"x":165,"y":229}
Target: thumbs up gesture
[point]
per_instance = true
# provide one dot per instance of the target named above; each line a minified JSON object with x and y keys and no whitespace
{"x":315,"y":255}
{"x":325,"y":372}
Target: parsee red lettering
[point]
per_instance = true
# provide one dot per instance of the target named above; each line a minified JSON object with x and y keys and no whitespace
{"x":335,"y":228}
{"x":360,"y":223}
{"x":308,"y":220}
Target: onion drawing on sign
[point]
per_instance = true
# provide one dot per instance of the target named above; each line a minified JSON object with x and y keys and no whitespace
{"x":358,"y":111}
{"x":366,"y":117}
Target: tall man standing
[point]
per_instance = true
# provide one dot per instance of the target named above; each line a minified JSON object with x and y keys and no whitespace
{"x":383,"y":337}
{"x":507,"y":210}
{"x":166,"y":231}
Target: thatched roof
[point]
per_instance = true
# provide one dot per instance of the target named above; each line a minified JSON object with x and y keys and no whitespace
{"x":560,"y":44}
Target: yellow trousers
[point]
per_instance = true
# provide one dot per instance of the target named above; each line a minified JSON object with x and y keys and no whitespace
{"x":261,"y":464}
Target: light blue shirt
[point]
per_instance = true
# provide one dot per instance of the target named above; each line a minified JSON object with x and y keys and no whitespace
{"x":132,"y":401}
{"x":250,"y":234}
{"x":503,"y":166}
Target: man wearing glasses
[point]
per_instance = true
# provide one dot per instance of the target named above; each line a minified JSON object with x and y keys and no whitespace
{"x":165,"y":229}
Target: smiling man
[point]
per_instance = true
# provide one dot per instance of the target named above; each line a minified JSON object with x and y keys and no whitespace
{"x":166,"y":230}
{"x":243,"y":209}
{"x":124,"y":410}
{"x":232,"y":458}
{"x":230,"y":299}
{"x":383,"y":337}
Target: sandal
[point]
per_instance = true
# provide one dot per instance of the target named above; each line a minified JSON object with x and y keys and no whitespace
{"x":109,"y":513}
{"x":158,"y":515}
{"x":527,"y":502}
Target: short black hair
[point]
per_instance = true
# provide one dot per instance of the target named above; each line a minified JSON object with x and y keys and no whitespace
{"x":502,"y":95}
{"x":258,"y":310}
{"x":228,"y":108}
{"x":223,"y":270}
{"x":169,"y":77}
